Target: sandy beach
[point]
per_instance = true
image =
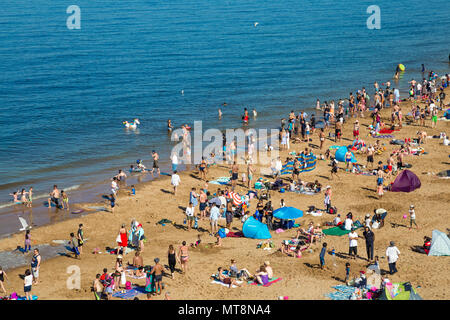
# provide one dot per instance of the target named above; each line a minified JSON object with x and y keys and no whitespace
{"x":301,"y":278}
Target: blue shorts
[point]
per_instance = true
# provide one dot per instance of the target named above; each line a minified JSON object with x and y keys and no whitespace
{"x":379,"y":181}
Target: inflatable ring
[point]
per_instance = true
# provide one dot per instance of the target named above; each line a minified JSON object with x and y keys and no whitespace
{"x":401,"y":67}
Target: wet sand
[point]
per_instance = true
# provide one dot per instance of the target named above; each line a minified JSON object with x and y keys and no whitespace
{"x":301,"y":278}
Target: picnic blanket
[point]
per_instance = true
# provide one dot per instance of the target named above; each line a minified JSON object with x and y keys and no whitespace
{"x":337,"y":231}
{"x":130,"y":294}
{"x":343,"y":292}
{"x":271,"y":281}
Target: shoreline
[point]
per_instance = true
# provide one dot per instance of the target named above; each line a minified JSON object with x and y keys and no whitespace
{"x":154,"y":202}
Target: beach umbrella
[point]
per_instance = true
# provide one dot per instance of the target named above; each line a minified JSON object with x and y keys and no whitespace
{"x":216,"y":201}
{"x":288,"y":213}
{"x":236,"y":198}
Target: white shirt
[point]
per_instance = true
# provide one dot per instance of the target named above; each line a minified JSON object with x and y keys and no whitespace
{"x":174,"y":159}
{"x":175,"y":180}
{"x":190,"y":211}
{"x":367,"y":222}
{"x":336,"y":220}
{"x":348,"y":224}
{"x":392,"y":254}
{"x":214,"y":214}
{"x":223,"y":200}
{"x":278,"y":165}
{"x":353,"y":242}
{"x":28,"y":280}
{"x":412,"y":213}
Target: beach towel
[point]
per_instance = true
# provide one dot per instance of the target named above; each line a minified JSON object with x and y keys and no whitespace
{"x":271,"y":281}
{"x":221,"y":180}
{"x":238,"y":234}
{"x":163,"y":221}
{"x":216,"y":281}
{"x":132,"y":276}
{"x":337,"y":231}
{"x":315,"y":213}
{"x":383,"y":136}
{"x":25,"y":298}
{"x":130,"y":294}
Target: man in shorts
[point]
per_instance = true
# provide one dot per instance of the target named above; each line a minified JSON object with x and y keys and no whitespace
{"x":234,"y":175}
{"x":158,"y":273}
{"x":35,"y":265}
{"x":370,"y":153}
{"x":190,"y":215}
{"x":155,"y":157}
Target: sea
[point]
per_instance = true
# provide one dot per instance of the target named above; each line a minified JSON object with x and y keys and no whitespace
{"x":65,"y":93}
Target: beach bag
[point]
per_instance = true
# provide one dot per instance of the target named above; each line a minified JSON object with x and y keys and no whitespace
{"x":118,"y":239}
{"x":128,"y":285}
{"x":123,"y":279}
{"x":333,"y":210}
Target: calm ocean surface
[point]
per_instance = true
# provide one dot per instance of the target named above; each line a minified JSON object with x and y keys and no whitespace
{"x":65,"y":93}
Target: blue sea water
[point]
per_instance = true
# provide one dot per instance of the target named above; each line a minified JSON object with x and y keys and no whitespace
{"x":65,"y":93}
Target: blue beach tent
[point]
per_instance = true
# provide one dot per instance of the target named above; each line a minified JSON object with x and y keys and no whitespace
{"x":340,"y":155}
{"x":288,"y":213}
{"x":254,"y":229}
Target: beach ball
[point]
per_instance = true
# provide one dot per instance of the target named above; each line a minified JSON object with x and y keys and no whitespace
{"x":401,"y":67}
{"x":404,"y":216}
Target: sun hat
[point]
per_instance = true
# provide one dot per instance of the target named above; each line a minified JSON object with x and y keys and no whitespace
{"x":119,"y":256}
{"x":392,"y":243}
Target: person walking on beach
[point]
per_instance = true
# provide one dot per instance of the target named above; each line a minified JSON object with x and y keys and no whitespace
{"x":369,"y":236}
{"x":412,"y":217}
{"x":203,"y":167}
{"x":155,"y":157}
{"x":322,"y":256}
{"x":392,"y":253}
{"x":174,"y":159}
{"x":250,"y":171}
{"x":74,"y":242}
{"x":203,"y":204}
{"x":334,"y":169}
{"x":183,"y":257}
{"x":80,"y":238}
{"x":175,"y":181}
{"x":3,"y":277}
{"x":36,"y":265}
{"x":172,"y":261}
{"x":122,"y":238}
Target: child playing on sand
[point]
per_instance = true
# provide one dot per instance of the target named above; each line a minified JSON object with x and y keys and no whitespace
{"x":65,"y":200}
{"x":2,"y":279}
{"x":27,"y":241}
{"x":322,"y":256}
{"x":347,"y":272}
{"x":412,"y":217}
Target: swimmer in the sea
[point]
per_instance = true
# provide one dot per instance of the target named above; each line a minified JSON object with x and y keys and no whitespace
{"x":220,"y":113}
{"x":169,"y":126}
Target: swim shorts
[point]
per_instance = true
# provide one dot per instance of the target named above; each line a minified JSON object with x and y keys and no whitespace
{"x":234,"y":176}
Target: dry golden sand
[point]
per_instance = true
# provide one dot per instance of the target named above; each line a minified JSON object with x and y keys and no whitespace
{"x":301,"y":277}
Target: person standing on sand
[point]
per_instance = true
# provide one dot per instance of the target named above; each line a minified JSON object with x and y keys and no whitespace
{"x":234,"y":175}
{"x":36,"y":265}
{"x":183,"y":257}
{"x":327,"y":199}
{"x":175,"y":181}
{"x":203,"y":204}
{"x":155,"y":157}
{"x":392,"y":253}
{"x":338,"y":131}
{"x":27,"y":284}
{"x":321,"y":137}
{"x":174,"y":159}
{"x":27,"y":241}
{"x":370,"y":152}
{"x":97,"y":287}
{"x":80,"y":237}
{"x":3,"y":277}
{"x":250,"y":171}
{"x":370,"y":240}
{"x":190,"y":215}
{"x":214,"y":218}
{"x":158,"y":271}
{"x":353,"y":245}
{"x":334,"y":169}
{"x":412,"y":217}
{"x":203,"y":167}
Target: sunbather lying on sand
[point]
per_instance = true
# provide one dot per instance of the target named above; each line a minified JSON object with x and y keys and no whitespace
{"x":226,"y":279}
